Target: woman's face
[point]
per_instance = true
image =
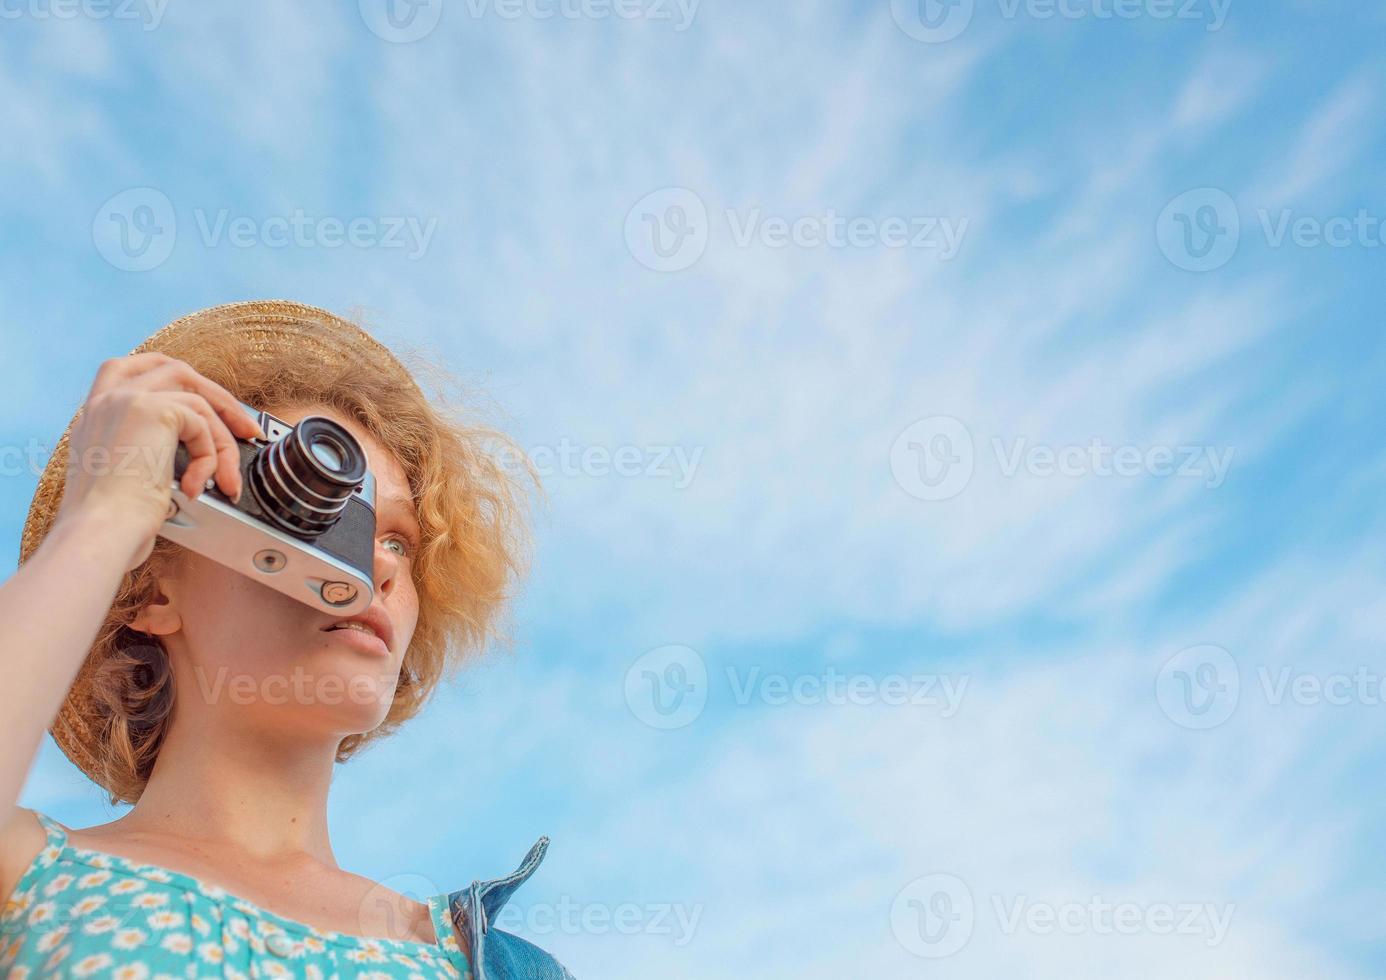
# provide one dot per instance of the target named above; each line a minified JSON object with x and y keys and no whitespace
{"x":245,"y":654}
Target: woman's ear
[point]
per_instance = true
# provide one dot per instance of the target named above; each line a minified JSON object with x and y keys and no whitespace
{"x":159,"y":616}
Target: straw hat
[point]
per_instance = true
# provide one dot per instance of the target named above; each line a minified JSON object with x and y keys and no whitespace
{"x":264,"y":330}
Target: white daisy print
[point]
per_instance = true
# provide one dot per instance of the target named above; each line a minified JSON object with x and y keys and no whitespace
{"x":43,"y":912}
{"x":89,"y":965}
{"x":100,"y":924}
{"x":128,"y":939}
{"x":49,"y":940}
{"x":211,"y":952}
{"x":59,"y":883}
{"x":177,"y":942}
{"x":88,"y":904}
{"x":165,"y":919}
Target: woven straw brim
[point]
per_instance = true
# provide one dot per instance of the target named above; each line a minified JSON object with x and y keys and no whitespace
{"x":264,"y":330}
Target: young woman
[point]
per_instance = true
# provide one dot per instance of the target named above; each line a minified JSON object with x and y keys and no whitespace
{"x":218,"y":705}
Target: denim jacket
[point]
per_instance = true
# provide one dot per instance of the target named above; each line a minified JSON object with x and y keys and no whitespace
{"x":494,"y":953}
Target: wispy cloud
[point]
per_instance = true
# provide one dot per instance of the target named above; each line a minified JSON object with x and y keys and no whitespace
{"x":1136,"y":479}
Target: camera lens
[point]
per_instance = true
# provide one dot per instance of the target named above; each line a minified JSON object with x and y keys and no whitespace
{"x":303,"y":480}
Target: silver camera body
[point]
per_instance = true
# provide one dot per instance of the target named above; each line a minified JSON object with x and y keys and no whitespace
{"x":305,"y":521}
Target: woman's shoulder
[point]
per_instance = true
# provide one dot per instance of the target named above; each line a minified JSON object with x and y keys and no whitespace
{"x":22,"y":838}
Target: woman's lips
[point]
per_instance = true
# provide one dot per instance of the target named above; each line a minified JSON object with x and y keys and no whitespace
{"x":361,"y":640}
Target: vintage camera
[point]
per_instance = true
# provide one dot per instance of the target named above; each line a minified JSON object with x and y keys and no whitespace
{"x":305,"y":523}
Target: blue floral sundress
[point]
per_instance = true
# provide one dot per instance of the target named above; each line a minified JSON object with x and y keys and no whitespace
{"x":77,"y":912}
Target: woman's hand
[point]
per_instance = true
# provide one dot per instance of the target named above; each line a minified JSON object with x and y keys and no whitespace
{"x":121,"y":448}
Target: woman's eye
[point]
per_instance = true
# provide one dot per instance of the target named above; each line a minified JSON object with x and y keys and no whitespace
{"x":405,"y":549}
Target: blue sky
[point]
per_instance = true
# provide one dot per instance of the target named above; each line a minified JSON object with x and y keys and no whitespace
{"x":962,"y":434}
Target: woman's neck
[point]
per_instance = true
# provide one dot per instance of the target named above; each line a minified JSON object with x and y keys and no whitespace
{"x":263,"y":797}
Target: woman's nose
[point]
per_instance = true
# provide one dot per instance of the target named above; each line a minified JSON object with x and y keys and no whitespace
{"x":386,"y":568}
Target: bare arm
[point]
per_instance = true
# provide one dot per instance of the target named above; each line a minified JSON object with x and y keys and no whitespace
{"x":53,"y":606}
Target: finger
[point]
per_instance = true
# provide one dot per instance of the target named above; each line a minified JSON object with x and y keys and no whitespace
{"x":195,"y":432}
{"x":115,"y":371}
{"x":160,"y":372}
{"x":224,"y":458}
{"x":227,"y":407}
